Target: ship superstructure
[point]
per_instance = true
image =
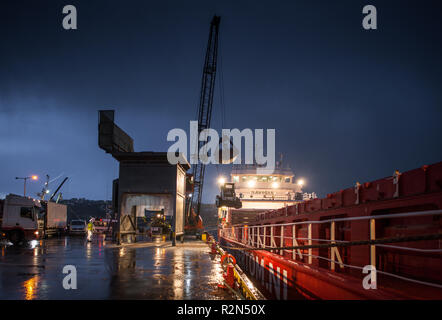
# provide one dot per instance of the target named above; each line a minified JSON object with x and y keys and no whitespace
{"x":267,"y":191}
{"x":260,"y":192}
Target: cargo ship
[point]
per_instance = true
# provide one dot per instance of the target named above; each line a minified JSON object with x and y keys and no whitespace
{"x":375,"y":240}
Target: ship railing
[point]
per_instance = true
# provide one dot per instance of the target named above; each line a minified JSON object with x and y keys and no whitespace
{"x":276,"y":237}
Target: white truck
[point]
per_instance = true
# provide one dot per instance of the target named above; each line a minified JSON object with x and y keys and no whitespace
{"x":25,"y":219}
{"x":52,"y":219}
{"x":19,"y":218}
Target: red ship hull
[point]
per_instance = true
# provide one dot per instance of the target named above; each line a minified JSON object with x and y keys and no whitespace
{"x":405,"y":205}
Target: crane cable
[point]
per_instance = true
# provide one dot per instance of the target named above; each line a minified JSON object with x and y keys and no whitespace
{"x":221,"y":93}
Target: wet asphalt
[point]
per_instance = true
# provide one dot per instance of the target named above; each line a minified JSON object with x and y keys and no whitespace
{"x":151,"y":269}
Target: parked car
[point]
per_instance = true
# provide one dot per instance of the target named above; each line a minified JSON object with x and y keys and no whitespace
{"x":77,"y":227}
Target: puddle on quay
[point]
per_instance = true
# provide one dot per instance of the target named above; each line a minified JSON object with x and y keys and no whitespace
{"x":158,"y":271}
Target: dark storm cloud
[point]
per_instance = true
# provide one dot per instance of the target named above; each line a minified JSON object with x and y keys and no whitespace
{"x":347,"y":104}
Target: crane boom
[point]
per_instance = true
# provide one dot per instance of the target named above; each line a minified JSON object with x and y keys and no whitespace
{"x":205,"y":108}
{"x":59,"y":187}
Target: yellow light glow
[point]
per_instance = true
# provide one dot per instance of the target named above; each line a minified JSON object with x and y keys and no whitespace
{"x":221,"y":180}
{"x":275,"y":185}
{"x":251,"y":183}
{"x":34,"y":177}
{"x":301,"y":182}
{"x":30,"y":288}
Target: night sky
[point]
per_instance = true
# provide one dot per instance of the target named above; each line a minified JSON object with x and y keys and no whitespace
{"x":347,"y":104}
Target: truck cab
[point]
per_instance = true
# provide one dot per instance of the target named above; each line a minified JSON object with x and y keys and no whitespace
{"x":19,"y":218}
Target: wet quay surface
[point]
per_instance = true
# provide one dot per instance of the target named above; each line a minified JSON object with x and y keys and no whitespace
{"x":144,"y":270}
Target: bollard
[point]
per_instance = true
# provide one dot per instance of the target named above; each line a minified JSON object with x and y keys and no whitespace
{"x":214,"y":251}
{"x":230,"y":276}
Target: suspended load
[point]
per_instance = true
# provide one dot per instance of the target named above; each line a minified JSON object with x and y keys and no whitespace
{"x":228,"y":197}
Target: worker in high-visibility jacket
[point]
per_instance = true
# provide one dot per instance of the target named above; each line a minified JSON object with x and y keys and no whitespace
{"x":90,"y":229}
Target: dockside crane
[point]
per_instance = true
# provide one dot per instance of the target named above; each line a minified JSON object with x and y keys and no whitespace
{"x":55,"y":192}
{"x":193,"y":219}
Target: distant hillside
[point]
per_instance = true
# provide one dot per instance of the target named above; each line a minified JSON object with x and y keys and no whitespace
{"x":85,"y":209}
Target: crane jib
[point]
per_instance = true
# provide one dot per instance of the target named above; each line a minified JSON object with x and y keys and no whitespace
{"x":205,"y":107}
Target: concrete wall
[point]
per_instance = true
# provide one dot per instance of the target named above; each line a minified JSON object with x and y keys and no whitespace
{"x":154,"y":186}
{"x":147,"y":178}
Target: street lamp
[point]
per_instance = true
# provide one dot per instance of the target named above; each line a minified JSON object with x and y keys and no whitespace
{"x":33,"y":177}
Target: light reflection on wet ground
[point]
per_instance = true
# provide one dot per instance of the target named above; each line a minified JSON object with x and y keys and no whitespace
{"x":154,"y":270}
